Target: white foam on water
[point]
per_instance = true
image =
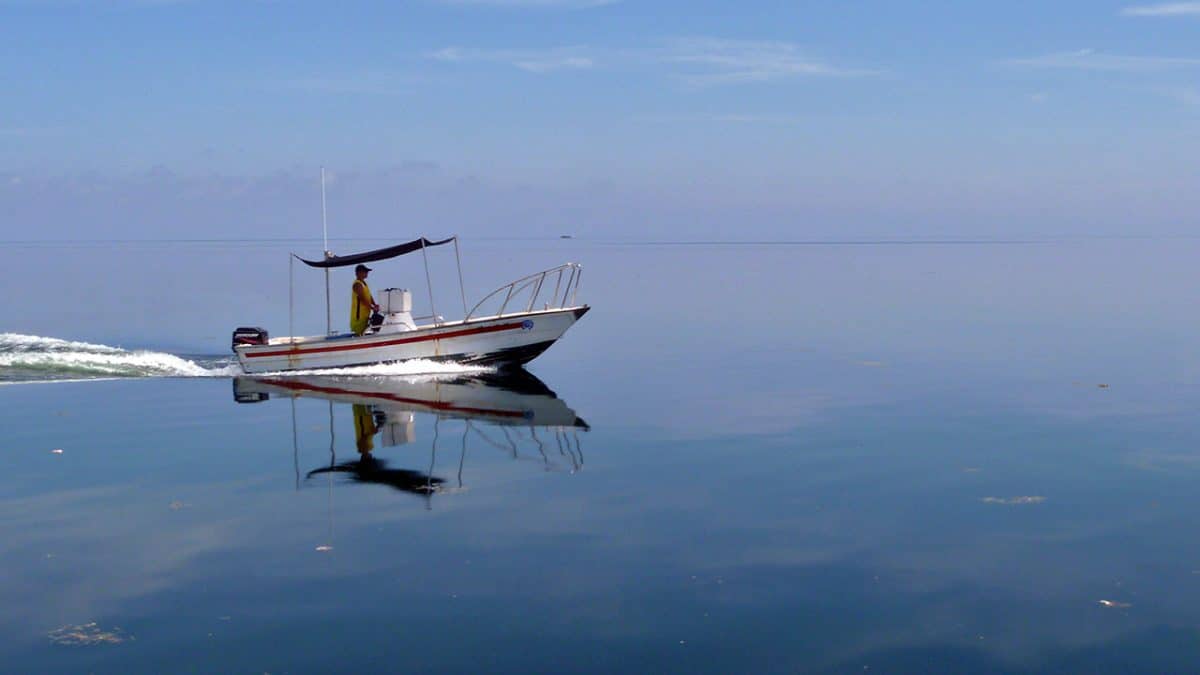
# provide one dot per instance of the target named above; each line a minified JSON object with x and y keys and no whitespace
{"x":36,"y":358}
{"x":416,"y":368}
{"x":28,"y":359}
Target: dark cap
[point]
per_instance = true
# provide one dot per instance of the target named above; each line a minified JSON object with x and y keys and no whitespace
{"x":361,"y":268}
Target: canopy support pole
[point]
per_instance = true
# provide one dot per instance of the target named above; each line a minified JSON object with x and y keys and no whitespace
{"x":461,"y":288}
{"x":429,"y":282}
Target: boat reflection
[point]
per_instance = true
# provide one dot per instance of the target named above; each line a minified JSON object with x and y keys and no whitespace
{"x":514,"y":412}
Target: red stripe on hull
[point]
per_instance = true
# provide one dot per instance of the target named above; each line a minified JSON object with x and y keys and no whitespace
{"x":387,"y":343}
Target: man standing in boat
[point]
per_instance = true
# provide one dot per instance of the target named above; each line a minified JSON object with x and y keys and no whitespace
{"x":361,"y":302}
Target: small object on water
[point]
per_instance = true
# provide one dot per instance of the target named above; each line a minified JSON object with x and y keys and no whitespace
{"x":1102,"y":386}
{"x":1011,"y":501}
{"x":86,"y":635}
{"x":176,"y":505}
{"x":324,"y":548}
{"x":1114,"y":604}
{"x":56,"y":451}
{"x":971,"y":469}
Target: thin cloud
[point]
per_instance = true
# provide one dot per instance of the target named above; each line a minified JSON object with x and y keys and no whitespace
{"x":714,"y":61}
{"x":726,"y":118}
{"x":1189,"y":96}
{"x":93,"y":4}
{"x":1164,"y":9}
{"x":25,"y":132}
{"x":738,"y":118}
{"x":533,"y":4}
{"x":374,"y":83}
{"x":1087,"y":59}
{"x":698,"y":61}
{"x":529,"y":60}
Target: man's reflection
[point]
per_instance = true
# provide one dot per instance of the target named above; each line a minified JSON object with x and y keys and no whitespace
{"x":370,"y":469}
{"x":365,"y":428}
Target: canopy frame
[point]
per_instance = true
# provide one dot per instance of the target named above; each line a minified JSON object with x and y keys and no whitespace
{"x":376,"y":255}
{"x":331,"y":261}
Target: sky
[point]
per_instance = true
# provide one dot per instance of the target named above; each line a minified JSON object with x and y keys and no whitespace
{"x":161,"y":119}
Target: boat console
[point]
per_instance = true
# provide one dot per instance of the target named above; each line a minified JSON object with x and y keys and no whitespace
{"x":396,"y":306}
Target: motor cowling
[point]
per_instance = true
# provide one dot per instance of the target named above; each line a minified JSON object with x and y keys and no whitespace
{"x":248,"y":335}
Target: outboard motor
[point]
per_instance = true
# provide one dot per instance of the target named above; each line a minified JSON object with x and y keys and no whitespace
{"x":246,"y":335}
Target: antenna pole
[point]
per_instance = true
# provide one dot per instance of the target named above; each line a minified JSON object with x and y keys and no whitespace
{"x":324,"y":221}
{"x":325,"y":239}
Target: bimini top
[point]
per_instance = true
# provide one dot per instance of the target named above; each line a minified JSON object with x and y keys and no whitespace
{"x":372,"y":256}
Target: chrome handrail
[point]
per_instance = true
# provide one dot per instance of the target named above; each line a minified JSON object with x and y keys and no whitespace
{"x":556,"y":301}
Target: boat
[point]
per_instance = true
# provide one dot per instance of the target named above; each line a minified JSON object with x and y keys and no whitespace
{"x":533,"y":313}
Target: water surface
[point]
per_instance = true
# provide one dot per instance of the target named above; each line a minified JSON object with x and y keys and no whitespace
{"x":773,"y":458}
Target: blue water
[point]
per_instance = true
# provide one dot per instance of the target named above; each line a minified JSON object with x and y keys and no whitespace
{"x":767,"y":458}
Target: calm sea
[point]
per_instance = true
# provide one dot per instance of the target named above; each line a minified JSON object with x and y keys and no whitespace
{"x":754,"y":457}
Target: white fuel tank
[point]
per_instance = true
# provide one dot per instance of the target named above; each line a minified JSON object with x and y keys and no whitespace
{"x":396,"y":300}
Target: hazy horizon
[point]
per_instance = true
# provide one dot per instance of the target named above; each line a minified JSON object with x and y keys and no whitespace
{"x":199,"y":119}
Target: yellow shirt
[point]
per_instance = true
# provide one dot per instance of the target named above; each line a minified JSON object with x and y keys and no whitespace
{"x":360,"y":314}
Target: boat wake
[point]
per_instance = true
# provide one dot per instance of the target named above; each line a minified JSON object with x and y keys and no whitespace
{"x":414,"y":369}
{"x":31,"y":358}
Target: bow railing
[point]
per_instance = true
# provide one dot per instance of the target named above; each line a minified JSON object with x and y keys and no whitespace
{"x":565,"y":280}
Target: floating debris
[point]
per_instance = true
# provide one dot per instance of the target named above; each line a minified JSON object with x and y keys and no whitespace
{"x":56,"y":451}
{"x":971,"y":469}
{"x":871,"y":364}
{"x":324,"y":548}
{"x":1102,"y":386}
{"x":1114,"y":604}
{"x":87,"y":634}
{"x":1013,"y":500}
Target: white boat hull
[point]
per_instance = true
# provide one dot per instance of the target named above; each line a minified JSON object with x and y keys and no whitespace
{"x":510,"y":339}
